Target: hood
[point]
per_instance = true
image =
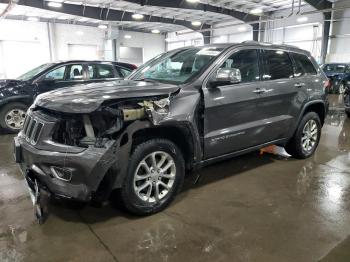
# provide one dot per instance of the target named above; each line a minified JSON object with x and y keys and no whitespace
{"x":89,"y":97}
{"x":9,"y":83}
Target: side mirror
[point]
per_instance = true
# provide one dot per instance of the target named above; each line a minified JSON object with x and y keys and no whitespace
{"x":226,"y":76}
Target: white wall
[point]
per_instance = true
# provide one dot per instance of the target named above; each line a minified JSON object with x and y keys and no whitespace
{"x":339,"y":46}
{"x":184,"y":38}
{"x":152,"y":44}
{"x":228,"y":33}
{"x":65,"y":35}
{"x":32,"y":40}
{"x":307,"y":35}
{"x":25,"y":45}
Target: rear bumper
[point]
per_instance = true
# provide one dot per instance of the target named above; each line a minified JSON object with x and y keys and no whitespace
{"x":86,"y":169}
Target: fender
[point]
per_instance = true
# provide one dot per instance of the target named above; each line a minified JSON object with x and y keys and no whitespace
{"x":27,"y":99}
{"x":302,"y":112}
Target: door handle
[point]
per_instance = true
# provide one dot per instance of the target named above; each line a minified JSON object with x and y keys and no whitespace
{"x":262,"y":90}
{"x":298,"y":85}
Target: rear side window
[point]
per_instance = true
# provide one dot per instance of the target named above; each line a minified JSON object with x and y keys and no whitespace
{"x":123,"y":72}
{"x":247,"y":62}
{"x":303,"y":65}
{"x":100,"y":71}
{"x":277,"y":65}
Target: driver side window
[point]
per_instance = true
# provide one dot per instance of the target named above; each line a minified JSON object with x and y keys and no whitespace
{"x":247,"y":62}
{"x":56,"y":74}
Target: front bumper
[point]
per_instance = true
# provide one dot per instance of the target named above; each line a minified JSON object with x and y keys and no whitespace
{"x":87,"y":168}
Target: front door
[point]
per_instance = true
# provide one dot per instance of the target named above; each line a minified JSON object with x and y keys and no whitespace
{"x":232,"y":120}
{"x":62,"y":76}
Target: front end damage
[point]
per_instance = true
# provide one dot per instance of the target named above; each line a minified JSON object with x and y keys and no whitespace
{"x":69,"y":155}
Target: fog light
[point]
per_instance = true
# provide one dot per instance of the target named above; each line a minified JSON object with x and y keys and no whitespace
{"x":61,"y":173}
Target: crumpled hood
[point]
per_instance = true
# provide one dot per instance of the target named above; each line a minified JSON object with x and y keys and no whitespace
{"x":87,"y":98}
{"x":5,"y":83}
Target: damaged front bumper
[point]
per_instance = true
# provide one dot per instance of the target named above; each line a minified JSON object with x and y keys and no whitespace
{"x":64,"y":175}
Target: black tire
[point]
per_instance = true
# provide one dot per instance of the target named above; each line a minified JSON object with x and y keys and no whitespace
{"x":3,"y":112}
{"x":295,"y":147}
{"x":347,"y":113}
{"x":130,"y":200}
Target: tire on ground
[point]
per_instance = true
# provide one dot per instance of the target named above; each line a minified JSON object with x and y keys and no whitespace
{"x":5,"y":109}
{"x":130,"y":200}
{"x":294,"y":146}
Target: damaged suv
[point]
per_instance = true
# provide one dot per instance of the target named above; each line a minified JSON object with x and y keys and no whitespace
{"x":182,"y":110}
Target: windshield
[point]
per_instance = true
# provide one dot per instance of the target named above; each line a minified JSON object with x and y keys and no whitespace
{"x":334,"y":68}
{"x":30,"y":74}
{"x":179,"y":67}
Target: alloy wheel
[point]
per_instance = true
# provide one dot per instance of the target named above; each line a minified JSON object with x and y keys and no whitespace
{"x":154,"y":176}
{"x":310,"y":135}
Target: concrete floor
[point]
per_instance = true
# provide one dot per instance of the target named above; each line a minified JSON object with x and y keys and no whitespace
{"x":251,"y":208}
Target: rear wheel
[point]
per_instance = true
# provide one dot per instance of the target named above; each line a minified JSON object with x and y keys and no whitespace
{"x":155,"y":175}
{"x":12,"y":117}
{"x":306,"y":138}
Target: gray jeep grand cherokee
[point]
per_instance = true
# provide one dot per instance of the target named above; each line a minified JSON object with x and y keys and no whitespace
{"x":182,"y":110}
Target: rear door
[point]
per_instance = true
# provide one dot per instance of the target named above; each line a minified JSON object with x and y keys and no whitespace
{"x":100,"y":72}
{"x":281,"y":94}
{"x":231,"y":118}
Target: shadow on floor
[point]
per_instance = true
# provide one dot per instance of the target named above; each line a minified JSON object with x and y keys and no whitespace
{"x":213,"y":173}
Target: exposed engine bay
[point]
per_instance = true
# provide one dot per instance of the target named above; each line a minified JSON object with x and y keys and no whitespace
{"x":106,"y":123}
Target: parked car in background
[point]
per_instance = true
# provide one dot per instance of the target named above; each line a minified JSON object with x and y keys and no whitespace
{"x":16,"y":95}
{"x":339,"y":75}
{"x":181,"y":110}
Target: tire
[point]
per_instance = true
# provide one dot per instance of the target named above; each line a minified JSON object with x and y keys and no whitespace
{"x":5,"y":112}
{"x":295,"y":146}
{"x":347,"y":113}
{"x":145,"y":202}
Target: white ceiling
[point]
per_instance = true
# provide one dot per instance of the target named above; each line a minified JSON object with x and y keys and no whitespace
{"x":22,"y":12}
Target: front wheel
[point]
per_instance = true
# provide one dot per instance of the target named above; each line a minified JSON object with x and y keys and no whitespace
{"x":155,"y":175}
{"x":12,"y":117}
{"x":306,"y":138}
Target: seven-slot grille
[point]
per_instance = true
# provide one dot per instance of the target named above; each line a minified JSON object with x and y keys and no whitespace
{"x":32,"y":129}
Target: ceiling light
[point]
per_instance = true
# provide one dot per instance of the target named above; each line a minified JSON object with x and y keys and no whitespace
{"x":256,"y":11}
{"x":196,"y":23}
{"x":242,"y":28}
{"x":79,"y":32}
{"x":155,"y":31}
{"x":302,"y":19}
{"x":103,"y":26}
{"x":54,"y":4}
{"x":33,"y":19}
{"x":137,"y":16}
{"x":127,"y":36}
{"x":192,"y":1}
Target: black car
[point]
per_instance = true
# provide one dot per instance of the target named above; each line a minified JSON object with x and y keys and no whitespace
{"x":339,"y":74}
{"x":16,"y":95}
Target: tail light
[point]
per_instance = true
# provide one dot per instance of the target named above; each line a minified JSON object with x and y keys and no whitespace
{"x":327,"y":84}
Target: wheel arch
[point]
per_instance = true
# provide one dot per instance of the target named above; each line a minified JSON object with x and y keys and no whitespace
{"x":179,"y":135}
